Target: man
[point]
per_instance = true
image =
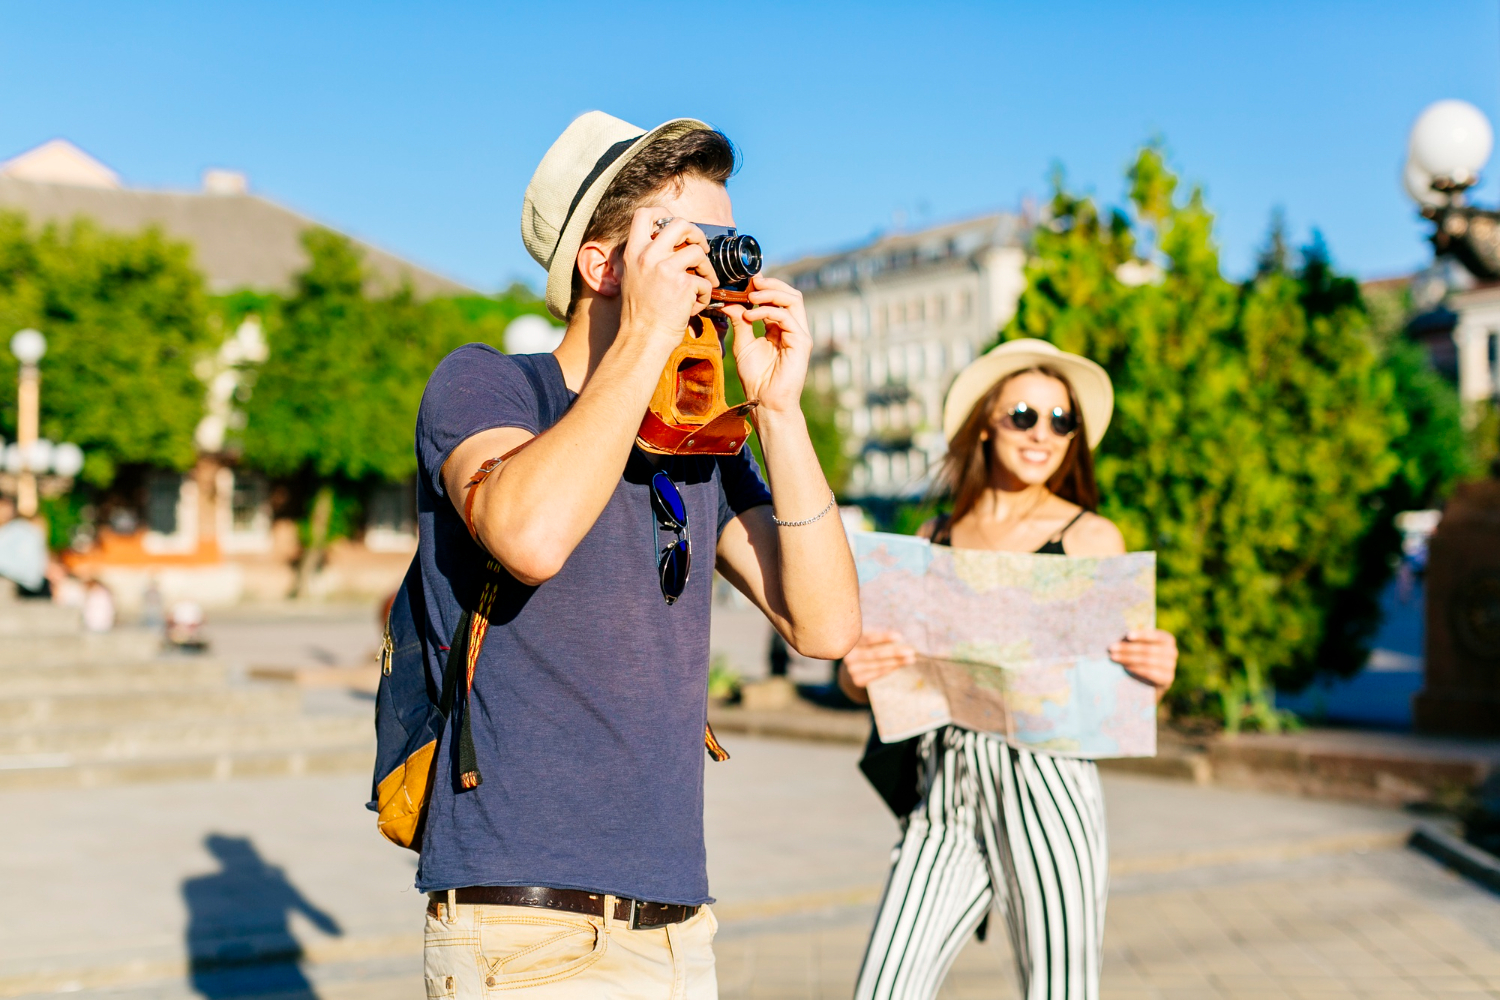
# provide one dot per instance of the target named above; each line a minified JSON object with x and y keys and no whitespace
{"x":576,"y":867}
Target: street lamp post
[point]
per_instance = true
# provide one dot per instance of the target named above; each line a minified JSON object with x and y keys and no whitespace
{"x":28,"y":346}
{"x":1449,"y":144}
{"x":32,"y":455}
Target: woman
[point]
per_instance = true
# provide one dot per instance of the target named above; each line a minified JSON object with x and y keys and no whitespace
{"x":998,"y":823}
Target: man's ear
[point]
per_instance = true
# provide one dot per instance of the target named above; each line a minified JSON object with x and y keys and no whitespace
{"x":599,"y":267}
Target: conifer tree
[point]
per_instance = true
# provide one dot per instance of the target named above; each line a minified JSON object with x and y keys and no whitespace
{"x":1257,"y":428}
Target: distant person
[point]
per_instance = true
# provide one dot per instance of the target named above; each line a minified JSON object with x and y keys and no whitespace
{"x":185,"y":625}
{"x":153,"y":607}
{"x":23,"y":552}
{"x":995,"y":824}
{"x":98,"y":606}
{"x":576,"y":867}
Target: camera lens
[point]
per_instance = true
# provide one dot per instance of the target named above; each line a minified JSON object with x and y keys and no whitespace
{"x":735,"y":258}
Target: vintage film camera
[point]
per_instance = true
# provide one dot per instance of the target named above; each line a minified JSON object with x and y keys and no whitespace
{"x":688,"y":414}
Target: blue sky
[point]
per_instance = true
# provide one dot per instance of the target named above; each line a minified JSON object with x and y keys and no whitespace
{"x":416,"y":126}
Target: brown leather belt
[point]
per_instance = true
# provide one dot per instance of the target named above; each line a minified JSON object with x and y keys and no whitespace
{"x":635,"y":913}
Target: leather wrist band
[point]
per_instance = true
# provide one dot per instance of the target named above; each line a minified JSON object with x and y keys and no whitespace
{"x":832,"y":502}
{"x":480,"y":475}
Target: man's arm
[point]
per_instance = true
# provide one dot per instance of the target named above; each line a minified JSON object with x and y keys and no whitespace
{"x":801,"y":577}
{"x":534,"y":510}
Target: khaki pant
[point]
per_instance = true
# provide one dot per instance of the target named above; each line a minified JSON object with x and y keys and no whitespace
{"x":483,"y":951}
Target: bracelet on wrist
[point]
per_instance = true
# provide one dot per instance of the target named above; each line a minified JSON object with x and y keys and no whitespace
{"x":832,"y":502}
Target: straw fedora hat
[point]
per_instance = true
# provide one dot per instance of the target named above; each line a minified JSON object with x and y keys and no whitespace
{"x":567,"y":186}
{"x":1091,"y":385}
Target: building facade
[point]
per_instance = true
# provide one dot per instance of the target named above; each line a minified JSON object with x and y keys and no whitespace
{"x":893,"y":322}
{"x":211,"y":534}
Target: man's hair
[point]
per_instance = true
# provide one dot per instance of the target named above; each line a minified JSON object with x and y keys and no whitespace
{"x":661,"y":165}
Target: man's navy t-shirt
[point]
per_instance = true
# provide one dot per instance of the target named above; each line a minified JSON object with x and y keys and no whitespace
{"x":591,"y":693}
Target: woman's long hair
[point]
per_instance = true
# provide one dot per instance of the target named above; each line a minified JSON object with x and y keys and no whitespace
{"x":967,"y":472}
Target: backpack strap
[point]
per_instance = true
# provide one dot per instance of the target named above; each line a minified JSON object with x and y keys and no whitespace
{"x":551,"y":393}
{"x":545,"y":376}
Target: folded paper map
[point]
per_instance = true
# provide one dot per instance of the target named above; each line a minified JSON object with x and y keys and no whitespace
{"x":1011,"y":644}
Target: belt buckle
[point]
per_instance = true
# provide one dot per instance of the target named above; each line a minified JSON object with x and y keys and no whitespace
{"x":633,"y":922}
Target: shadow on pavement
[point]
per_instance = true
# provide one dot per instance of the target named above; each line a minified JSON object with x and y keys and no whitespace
{"x":239,"y":938}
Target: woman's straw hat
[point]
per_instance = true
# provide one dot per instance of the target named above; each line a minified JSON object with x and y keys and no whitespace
{"x":567,"y":186}
{"x":1091,"y":385}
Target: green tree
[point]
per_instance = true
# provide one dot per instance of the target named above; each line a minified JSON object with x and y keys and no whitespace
{"x":820,"y":409}
{"x":335,"y":403}
{"x":126,"y":321}
{"x":1255,"y":433}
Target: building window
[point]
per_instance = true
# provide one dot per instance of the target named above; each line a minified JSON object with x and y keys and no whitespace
{"x":163,"y":494}
{"x":965,"y":305}
{"x":962,"y":352}
{"x":900,"y":313}
{"x":897,"y":358}
{"x":171,"y":514}
{"x":914,"y":354}
{"x":391,"y":523}
{"x":247,"y":502}
{"x":843,"y":324}
{"x":243,"y":510}
{"x":898,"y":475}
{"x":935,"y":358}
{"x":919,"y":311}
{"x":940,"y":308}
{"x":839,"y":369}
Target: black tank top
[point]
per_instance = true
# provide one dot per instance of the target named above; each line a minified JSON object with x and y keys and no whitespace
{"x":1053,"y":546}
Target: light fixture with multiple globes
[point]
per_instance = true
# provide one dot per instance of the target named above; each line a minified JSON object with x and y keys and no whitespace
{"x":1449,"y":145}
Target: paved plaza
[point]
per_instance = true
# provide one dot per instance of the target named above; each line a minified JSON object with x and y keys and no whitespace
{"x":1216,"y":893}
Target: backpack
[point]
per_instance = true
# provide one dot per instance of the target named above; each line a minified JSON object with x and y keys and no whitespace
{"x":409,"y":716}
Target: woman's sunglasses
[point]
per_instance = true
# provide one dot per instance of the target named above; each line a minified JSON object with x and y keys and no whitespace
{"x":1022,"y":417}
{"x":676,"y":557}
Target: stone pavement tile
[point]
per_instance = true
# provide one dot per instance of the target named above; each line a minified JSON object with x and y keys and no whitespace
{"x":1237,"y":985}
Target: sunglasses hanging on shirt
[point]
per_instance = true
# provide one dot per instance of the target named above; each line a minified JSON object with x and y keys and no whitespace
{"x":1023,"y":417}
{"x":675,"y":556}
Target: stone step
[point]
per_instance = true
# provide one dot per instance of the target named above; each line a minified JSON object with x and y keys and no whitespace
{"x":170,"y":674}
{"x":37,"y":618}
{"x":34,"y":711}
{"x":51,"y":745}
{"x":60,"y":773}
{"x":121,"y":645}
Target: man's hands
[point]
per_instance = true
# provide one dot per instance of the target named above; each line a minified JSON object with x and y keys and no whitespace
{"x":665,"y":280}
{"x":774,"y":367}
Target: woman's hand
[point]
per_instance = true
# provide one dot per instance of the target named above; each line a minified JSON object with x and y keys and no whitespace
{"x":774,"y":367}
{"x":1150,"y":655}
{"x":877,"y":653}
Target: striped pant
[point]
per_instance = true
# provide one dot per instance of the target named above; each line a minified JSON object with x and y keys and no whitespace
{"x":998,"y":825}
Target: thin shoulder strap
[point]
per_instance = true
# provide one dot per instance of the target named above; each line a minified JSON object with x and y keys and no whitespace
{"x":942,"y":529}
{"x":1064,"y":529}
